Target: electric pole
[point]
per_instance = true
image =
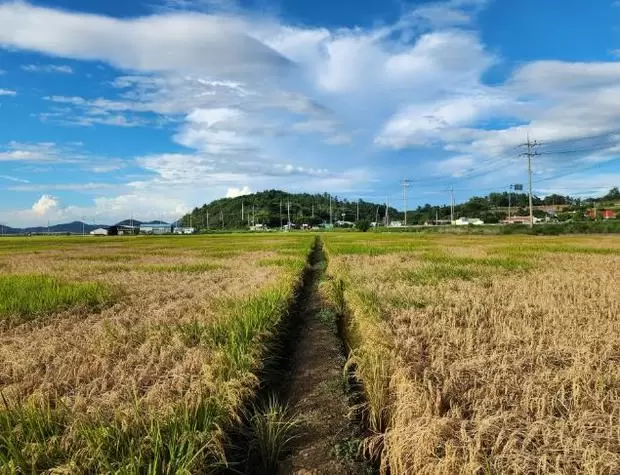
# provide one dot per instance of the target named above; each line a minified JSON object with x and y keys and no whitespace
{"x":207,"y":220}
{"x":288,"y":213}
{"x":529,"y":154}
{"x":222,"y":217}
{"x":281,"y":219}
{"x":387,"y":211}
{"x":358,"y":211}
{"x":242,"y":212}
{"x":452,"y":204}
{"x":406,"y":182}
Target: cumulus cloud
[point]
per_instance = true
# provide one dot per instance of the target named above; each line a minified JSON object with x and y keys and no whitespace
{"x":235,"y":192}
{"x":261,"y":103}
{"x":45,"y":204}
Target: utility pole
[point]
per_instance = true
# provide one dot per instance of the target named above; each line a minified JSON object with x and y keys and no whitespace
{"x":222,"y":217}
{"x":358,"y":211}
{"x":242,"y":212}
{"x":387,"y":211}
{"x":313,"y":210}
{"x":288,"y":212}
{"x":452,"y":204}
{"x":406,"y":182}
{"x":529,"y":154}
{"x":377,"y":217}
{"x":83,"y":226}
{"x":253,"y":215}
{"x":207,"y":219}
{"x":509,"y":201}
{"x":281,"y":219}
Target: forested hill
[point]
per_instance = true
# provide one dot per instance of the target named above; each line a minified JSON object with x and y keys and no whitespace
{"x":264,"y":208}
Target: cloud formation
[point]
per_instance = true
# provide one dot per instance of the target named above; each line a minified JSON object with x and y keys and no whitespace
{"x":47,"y":68}
{"x":255,"y":102}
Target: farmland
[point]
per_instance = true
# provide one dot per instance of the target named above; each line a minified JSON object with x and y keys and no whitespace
{"x":132,"y":355}
{"x":484,"y":355}
{"x":474,"y":354}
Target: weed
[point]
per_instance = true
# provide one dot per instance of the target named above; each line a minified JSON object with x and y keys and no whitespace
{"x":273,"y":429}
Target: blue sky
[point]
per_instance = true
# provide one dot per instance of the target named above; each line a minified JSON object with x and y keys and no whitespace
{"x":119,"y":108}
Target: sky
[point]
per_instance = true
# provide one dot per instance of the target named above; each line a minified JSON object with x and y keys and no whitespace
{"x":119,"y":108}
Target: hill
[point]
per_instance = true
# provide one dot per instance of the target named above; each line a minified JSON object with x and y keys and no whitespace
{"x":271,"y":208}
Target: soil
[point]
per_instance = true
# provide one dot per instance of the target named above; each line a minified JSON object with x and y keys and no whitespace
{"x":316,"y":388}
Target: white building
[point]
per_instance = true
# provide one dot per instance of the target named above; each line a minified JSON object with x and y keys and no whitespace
{"x":99,"y":232}
{"x":184,"y":230}
{"x":468,"y":221}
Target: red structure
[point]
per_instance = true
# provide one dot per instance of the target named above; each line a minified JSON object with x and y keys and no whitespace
{"x":609,"y":214}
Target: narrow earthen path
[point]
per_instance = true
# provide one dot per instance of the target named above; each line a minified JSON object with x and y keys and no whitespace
{"x":316,"y":388}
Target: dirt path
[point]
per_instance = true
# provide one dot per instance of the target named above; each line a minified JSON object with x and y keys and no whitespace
{"x":316,"y":390}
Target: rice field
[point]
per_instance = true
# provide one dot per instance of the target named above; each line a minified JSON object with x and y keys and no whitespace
{"x":475,"y":354}
{"x":484,"y":354}
{"x":133,"y":355}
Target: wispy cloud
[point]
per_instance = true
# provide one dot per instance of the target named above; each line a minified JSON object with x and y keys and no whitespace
{"x":7,"y":92}
{"x":12,"y":178}
{"x":47,"y":68}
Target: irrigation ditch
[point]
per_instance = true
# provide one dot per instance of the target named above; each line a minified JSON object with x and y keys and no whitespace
{"x":304,"y":418}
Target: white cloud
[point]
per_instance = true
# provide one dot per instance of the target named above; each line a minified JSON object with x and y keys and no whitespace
{"x":47,"y":68}
{"x":21,"y":152}
{"x":45,"y":204}
{"x":260,"y":103}
{"x":235,"y":192}
{"x":167,"y":42}
{"x":7,"y":92}
{"x":14,"y":179}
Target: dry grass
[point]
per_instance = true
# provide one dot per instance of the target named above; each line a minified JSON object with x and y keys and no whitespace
{"x":148,"y":380}
{"x":488,"y":355}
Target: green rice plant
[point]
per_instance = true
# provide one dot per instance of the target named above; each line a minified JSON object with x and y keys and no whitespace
{"x":30,"y":436}
{"x":273,"y":429}
{"x":185,"y":441}
{"x":243,"y":324}
{"x":192,"y":333}
{"x":286,"y":262}
{"x":24,"y":297}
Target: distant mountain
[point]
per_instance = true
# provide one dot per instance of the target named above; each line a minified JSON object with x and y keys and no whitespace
{"x":129,"y":222}
{"x":75,"y":227}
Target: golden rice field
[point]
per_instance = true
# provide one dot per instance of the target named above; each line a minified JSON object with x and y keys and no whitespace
{"x":132,"y":355}
{"x":476,"y":354}
{"x":484,"y":354}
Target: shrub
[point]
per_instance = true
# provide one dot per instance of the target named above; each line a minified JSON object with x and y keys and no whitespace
{"x":363,"y":225}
